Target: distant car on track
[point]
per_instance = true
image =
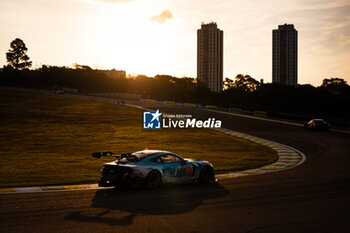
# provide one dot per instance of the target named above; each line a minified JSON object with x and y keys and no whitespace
{"x":153,"y":167}
{"x":59,"y":92}
{"x":317,"y":124}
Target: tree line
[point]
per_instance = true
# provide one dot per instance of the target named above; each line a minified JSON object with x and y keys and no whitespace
{"x":331,"y":100}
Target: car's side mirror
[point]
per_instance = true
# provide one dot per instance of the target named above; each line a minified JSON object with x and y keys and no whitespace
{"x":183,"y":162}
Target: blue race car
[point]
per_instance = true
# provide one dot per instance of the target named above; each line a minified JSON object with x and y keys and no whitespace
{"x":153,"y":167}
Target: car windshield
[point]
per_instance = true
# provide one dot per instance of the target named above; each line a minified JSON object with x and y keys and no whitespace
{"x":142,"y":155}
{"x":319,"y":120}
{"x":137,"y":156}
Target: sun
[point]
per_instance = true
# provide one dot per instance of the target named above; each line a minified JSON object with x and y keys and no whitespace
{"x":134,"y":44}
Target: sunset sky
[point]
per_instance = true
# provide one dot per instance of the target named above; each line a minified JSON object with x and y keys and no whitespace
{"x":159,"y":36}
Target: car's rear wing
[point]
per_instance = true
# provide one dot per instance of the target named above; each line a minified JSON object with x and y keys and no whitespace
{"x":109,"y":153}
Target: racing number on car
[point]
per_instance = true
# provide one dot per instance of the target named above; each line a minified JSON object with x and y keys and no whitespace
{"x":187,"y":170}
{"x":176,"y":170}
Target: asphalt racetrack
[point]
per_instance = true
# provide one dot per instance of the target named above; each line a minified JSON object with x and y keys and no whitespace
{"x":312,"y":197}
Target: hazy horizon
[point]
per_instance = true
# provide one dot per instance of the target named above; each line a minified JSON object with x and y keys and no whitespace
{"x":160,"y":36}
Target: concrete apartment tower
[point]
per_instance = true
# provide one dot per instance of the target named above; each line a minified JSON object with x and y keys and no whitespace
{"x":210,"y":56}
{"x":285,"y":55}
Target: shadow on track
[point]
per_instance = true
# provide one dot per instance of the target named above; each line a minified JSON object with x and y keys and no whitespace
{"x":120,"y":206}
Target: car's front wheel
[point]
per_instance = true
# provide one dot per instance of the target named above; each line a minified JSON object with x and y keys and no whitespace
{"x":153,"y":180}
{"x":206,"y":175}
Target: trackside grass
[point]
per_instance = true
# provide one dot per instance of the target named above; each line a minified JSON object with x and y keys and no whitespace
{"x":48,"y":140}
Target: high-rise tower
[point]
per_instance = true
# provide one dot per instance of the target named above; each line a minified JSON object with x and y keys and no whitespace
{"x":210,"y":56}
{"x":285,"y":55}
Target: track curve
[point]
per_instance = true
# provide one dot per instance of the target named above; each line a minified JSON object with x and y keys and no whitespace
{"x":313,"y":197}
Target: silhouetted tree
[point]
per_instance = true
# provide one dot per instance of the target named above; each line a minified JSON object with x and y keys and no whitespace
{"x":337,"y":86}
{"x":16,"y":55}
{"x":228,"y":83}
{"x":81,"y":67}
{"x":246,"y":83}
{"x":333,"y":83}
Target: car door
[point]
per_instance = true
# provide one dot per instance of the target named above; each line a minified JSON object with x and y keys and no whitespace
{"x":173,"y":167}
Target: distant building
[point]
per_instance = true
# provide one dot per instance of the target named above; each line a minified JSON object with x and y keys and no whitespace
{"x":285,"y":55}
{"x":210,"y":56}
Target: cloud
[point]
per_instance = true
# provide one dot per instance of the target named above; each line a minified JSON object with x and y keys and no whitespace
{"x":162,"y":17}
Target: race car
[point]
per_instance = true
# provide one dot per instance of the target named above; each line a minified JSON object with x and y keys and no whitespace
{"x":153,"y":168}
{"x":60,"y":91}
{"x":317,"y":124}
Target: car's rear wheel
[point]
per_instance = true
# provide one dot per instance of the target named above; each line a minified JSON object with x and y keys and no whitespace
{"x":206,"y":175}
{"x":153,"y":180}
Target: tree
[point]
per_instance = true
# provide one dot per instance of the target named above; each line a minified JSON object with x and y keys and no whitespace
{"x":228,"y":83}
{"x":336,"y":86}
{"x":246,"y":83}
{"x":81,"y":67}
{"x":16,"y":55}
{"x":333,"y":83}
